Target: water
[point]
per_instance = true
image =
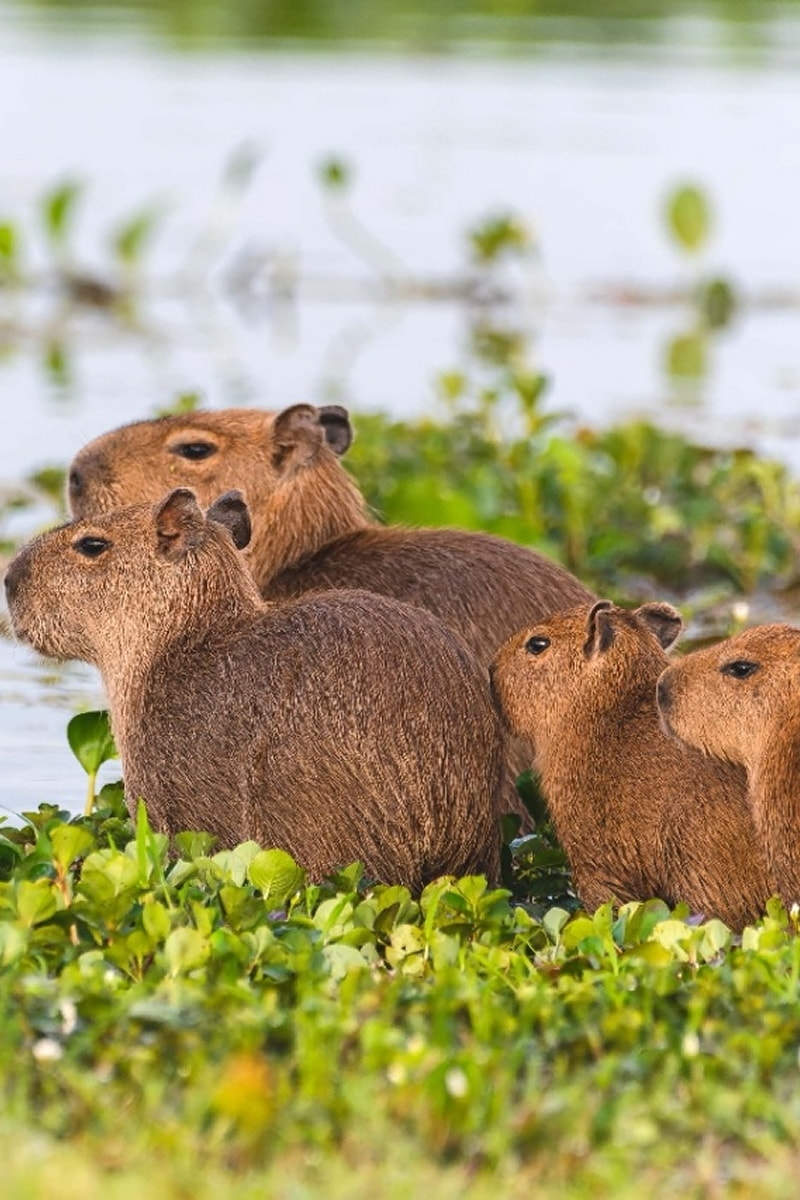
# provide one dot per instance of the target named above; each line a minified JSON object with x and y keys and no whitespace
{"x":582,"y":144}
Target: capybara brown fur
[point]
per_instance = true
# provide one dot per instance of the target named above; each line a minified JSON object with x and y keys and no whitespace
{"x":637,"y":815}
{"x":740,"y":701}
{"x":341,"y":726}
{"x":311,"y":526}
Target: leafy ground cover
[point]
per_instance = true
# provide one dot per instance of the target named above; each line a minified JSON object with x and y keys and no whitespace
{"x":215,"y":1023}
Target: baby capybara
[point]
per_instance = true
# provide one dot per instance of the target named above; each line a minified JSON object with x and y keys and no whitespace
{"x":342,"y":726}
{"x":740,"y":701}
{"x":637,"y":815}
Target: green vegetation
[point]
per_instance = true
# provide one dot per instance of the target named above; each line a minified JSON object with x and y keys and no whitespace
{"x":215,"y":1023}
{"x":409,"y":23}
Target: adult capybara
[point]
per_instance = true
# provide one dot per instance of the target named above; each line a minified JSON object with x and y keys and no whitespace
{"x":342,"y":726}
{"x":311,"y":527}
{"x":637,"y":815}
{"x":740,"y":701}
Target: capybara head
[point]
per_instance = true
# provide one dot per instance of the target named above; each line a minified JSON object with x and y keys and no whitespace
{"x":724,"y":698}
{"x":210,"y":452}
{"x":575,"y":663}
{"x":95,"y":586}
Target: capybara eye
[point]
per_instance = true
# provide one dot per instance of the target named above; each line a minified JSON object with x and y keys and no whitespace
{"x":537,"y":645}
{"x":194,"y":451}
{"x":739,"y":669}
{"x":91,"y":547}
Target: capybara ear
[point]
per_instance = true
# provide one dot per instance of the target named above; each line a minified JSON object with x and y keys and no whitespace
{"x":599,"y":629}
{"x":661,"y":619}
{"x":231,"y":511}
{"x":179,"y":524}
{"x":335,"y":422}
{"x":297,"y":436}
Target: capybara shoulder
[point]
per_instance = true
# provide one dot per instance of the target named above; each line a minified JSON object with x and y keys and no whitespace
{"x":637,"y":815}
{"x":341,"y":726}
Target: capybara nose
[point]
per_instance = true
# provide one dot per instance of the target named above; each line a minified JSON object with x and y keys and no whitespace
{"x":663,"y":693}
{"x":17,"y":573}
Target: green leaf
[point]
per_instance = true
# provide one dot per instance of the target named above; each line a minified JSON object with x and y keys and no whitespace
{"x":155,"y":919}
{"x":58,"y":211}
{"x":718,"y":302}
{"x":70,"y":842}
{"x":130,"y":239}
{"x":341,"y":960}
{"x":689,"y":217}
{"x":276,"y":875}
{"x":334,"y":174}
{"x":554,"y":921}
{"x":185,"y":950}
{"x":687,"y":356}
{"x":9,"y":251}
{"x":236,"y":861}
{"x":191,"y":844}
{"x":91,"y":740}
{"x":36,"y":901}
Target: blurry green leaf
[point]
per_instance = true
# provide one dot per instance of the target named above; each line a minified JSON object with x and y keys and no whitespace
{"x":341,"y":960}
{"x":554,"y":921}
{"x":498,"y":235}
{"x":185,"y":950}
{"x":235,"y":862}
{"x":9,"y":252}
{"x":50,"y":481}
{"x":191,"y":844}
{"x":70,"y":842}
{"x":130,"y":239}
{"x":334,"y":174}
{"x":56,"y":363}
{"x":58,"y":211}
{"x":13,"y":943}
{"x":36,"y":901}
{"x":155,"y":919}
{"x":689,"y":217}
{"x":718,"y":302}
{"x":90,"y":739}
{"x":687,"y":356}
{"x":276,"y":875}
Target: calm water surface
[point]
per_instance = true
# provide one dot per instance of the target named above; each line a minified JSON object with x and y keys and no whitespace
{"x":583,"y":146}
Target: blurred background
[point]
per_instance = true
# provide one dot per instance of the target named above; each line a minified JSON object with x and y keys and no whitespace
{"x":338,"y":201}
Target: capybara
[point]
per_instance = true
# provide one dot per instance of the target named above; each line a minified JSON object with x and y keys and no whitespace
{"x":740,"y":701}
{"x":342,"y":726}
{"x":637,"y":815}
{"x":311,"y":527}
